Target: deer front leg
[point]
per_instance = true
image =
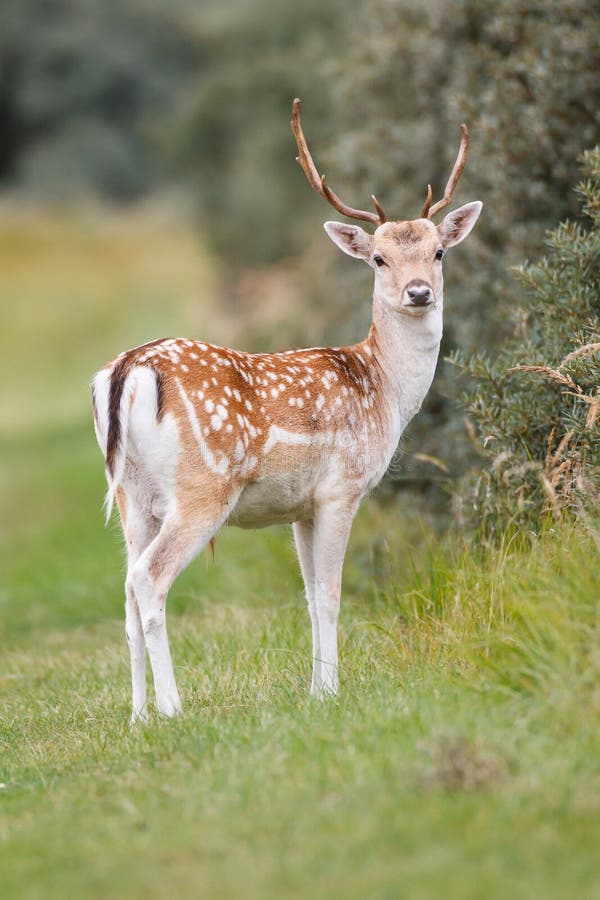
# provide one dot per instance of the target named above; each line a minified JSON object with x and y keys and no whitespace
{"x":303,"y":536}
{"x":333,"y":522}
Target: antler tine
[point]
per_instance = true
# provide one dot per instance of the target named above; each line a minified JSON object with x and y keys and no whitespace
{"x":379,"y":208}
{"x":427,"y":204}
{"x":459,"y":165}
{"x":319,"y":184}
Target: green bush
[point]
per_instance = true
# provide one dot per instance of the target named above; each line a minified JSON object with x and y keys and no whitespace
{"x":537,"y":404}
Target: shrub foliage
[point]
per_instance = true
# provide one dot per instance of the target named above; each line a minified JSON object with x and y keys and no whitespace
{"x":537,"y":405}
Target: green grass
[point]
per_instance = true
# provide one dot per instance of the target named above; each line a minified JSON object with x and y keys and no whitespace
{"x":460,"y":760}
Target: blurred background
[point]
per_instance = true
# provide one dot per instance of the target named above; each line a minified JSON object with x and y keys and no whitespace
{"x":148,"y":187}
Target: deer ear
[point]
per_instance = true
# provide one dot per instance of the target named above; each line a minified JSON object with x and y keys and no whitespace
{"x":457,"y":224}
{"x":350,"y":238}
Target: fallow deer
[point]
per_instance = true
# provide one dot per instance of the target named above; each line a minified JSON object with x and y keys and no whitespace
{"x":196,"y":436}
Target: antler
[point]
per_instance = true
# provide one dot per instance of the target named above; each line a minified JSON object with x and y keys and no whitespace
{"x":461,"y":159}
{"x":318,"y":182}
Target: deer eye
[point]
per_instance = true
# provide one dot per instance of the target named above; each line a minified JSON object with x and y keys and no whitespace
{"x":379,"y":260}
{"x":439,"y":254}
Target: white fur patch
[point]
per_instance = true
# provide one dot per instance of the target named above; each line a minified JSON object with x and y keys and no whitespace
{"x":220,"y":466}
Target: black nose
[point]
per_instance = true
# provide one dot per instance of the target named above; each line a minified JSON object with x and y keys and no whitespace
{"x":419,"y":296}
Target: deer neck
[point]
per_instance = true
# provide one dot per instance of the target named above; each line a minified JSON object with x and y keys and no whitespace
{"x":405,"y":348}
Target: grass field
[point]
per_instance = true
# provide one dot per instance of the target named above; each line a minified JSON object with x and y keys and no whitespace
{"x":461,"y":759}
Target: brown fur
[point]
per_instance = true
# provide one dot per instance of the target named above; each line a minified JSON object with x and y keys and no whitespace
{"x":306,"y":384}
{"x":418,"y":238}
{"x":407,"y":233}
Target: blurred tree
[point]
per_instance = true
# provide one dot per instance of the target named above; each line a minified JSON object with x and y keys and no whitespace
{"x":84,"y":87}
{"x":231,"y":130}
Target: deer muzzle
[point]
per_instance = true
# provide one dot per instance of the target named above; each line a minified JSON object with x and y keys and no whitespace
{"x":417,"y":293}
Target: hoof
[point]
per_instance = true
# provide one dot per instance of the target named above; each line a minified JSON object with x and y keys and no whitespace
{"x":169,"y":707}
{"x":139,"y":717}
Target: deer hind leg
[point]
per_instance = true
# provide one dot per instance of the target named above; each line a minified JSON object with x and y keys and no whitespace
{"x":332,"y":525}
{"x":182,"y":536}
{"x":139,"y":528}
{"x":303,"y":536}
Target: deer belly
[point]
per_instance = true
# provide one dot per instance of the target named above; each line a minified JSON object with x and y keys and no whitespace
{"x":273,"y":500}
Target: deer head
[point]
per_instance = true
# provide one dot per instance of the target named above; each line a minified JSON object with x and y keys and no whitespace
{"x":405,"y":255}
